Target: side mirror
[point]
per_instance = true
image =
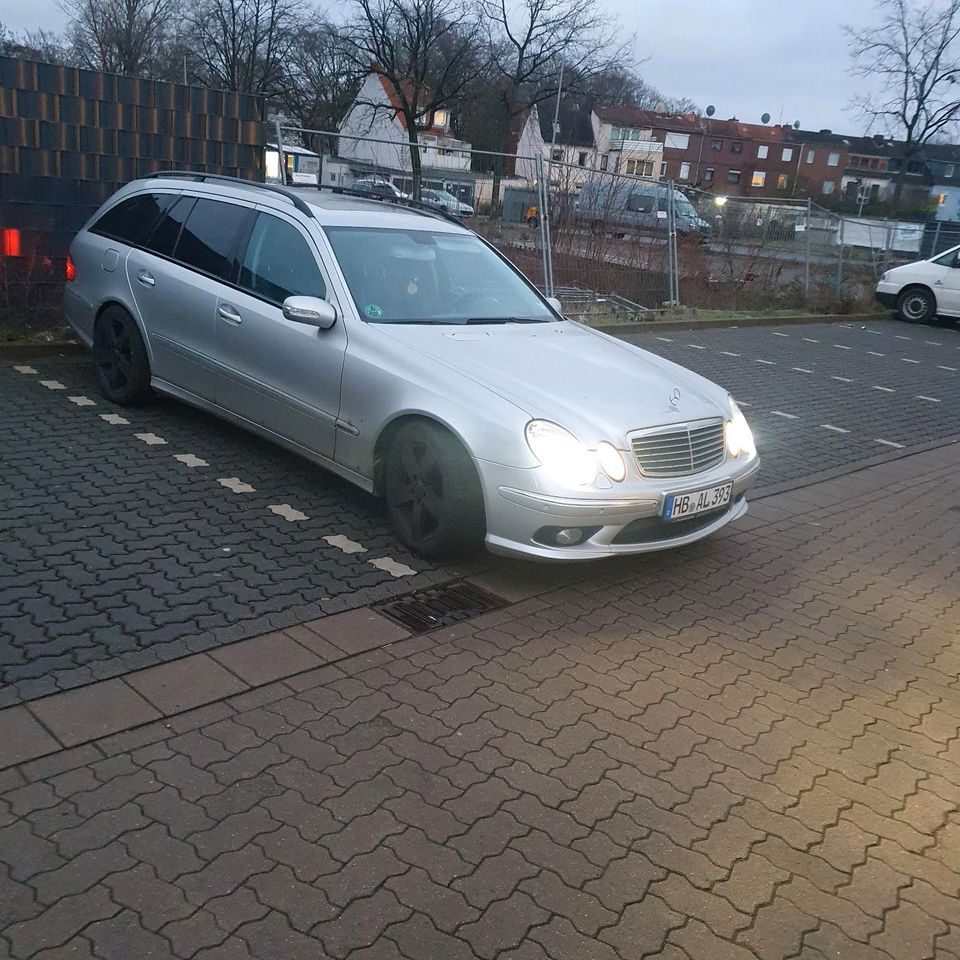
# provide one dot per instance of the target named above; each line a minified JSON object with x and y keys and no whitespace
{"x":311,"y":311}
{"x":555,"y":303}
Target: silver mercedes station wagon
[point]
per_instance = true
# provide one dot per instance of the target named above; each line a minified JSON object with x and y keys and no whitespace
{"x":393,"y":346}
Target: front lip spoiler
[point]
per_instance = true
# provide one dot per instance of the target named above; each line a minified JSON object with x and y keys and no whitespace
{"x":563,"y":507}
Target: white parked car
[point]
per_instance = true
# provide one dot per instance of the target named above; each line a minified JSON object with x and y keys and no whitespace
{"x":925,"y":289}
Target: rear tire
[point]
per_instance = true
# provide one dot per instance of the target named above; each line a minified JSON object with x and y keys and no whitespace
{"x":916,"y":306}
{"x":433,"y":492}
{"x":123,"y":368}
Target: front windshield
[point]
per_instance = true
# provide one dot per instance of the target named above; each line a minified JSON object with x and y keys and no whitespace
{"x":422,"y":276}
{"x":685,"y":208}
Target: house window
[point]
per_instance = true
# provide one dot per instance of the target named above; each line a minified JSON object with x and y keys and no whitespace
{"x":736,"y":146}
{"x":677,"y":141}
{"x":684,"y":171}
{"x":787,"y":154}
{"x":833,"y":159}
{"x":558,"y":155}
{"x":708,"y":175}
{"x":716,"y":145}
{"x":811,"y":156}
{"x":782,"y":181}
{"x":640,"y":168}
{"x":582,"y":159}
{"x":440,"y":118}
{"x":604,"y":160}
{"x":828,"y":187}
{"x":762,"y":151}
{"x":733,"y":176}
{"x":759,"y":178}
{"x":663,"y":169}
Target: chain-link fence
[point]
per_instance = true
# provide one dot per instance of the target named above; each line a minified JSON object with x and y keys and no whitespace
{"x":613,"y":245}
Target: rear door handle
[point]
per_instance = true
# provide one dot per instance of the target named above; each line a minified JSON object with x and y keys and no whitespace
{"x":146,"y":278}
{"x":228,"y":313}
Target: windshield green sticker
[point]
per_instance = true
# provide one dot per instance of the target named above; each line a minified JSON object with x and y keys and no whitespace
{"x":373,"y":311}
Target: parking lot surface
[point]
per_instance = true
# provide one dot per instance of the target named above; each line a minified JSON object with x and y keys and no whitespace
{"x":746,"y":748}
{"x":130,"y":537}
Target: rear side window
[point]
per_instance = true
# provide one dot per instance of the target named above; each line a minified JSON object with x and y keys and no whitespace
{"x":209,"y":237}
{"x":278,"y":263}
{"x":132,"y":219}
{"x":167,"y":232}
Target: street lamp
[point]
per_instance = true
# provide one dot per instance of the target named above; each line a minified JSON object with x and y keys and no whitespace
{"x":720,"y":201}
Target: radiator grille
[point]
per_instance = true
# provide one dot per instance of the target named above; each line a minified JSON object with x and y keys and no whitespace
{"x":681,"y":451}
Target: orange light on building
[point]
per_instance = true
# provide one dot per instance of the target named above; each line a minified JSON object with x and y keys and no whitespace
{"x":9,"y":242}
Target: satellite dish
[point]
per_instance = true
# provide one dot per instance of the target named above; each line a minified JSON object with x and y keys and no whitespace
{"x":796,"y":124}
{"x":765,"y":118}
{"x":711,"y":110}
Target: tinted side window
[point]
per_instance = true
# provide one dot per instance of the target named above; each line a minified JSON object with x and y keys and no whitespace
{"x":279,"y":263}
{"x":208,"y":238}
{"x":165,"y":235}
{"x":131,"y":220}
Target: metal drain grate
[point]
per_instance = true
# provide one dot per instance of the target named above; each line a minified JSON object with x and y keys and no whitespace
{"x":439,"y":606}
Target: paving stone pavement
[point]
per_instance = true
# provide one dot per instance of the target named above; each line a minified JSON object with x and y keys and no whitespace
{"x":745,"y":748}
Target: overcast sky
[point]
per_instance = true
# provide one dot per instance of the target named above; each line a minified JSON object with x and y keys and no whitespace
{"x":787,"y":58}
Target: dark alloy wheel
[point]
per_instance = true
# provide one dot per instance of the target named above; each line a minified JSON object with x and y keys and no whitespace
{"x":433,"y":492}
{"x":916,"y":305}
{"x":123,"y":369}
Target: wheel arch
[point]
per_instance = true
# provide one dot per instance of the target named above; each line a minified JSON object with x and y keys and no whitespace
{"x":917,"y":285}
{"x":134,"y":316}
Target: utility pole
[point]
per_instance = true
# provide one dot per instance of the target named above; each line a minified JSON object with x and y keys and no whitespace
{"x":556,"y":114}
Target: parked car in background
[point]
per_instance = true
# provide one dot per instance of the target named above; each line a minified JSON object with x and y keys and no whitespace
{"x":446,"y":202}
{"x":380,"y":188}
{"x":625,"y":206}
{"x":924,"y":289}
{"x":401,"y":351}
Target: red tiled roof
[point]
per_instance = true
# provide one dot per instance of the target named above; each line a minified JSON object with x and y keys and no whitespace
{"x":690,"y":123}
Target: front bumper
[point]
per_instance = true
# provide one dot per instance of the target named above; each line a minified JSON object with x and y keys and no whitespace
{"x":625,"y":524}
{"x":887,"y":293}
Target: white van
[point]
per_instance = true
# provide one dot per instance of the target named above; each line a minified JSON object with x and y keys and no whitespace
{"x":923,"y":290}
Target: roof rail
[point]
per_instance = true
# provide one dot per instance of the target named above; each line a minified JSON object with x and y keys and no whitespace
{"x":298,"y":202}
{"x":419,"y":205}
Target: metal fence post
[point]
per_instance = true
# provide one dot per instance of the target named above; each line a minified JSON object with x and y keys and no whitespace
{"x":806,"y":250}
{"x":281,"y":159}
{"x":671,"y":248}
{"x":936,"y":239}
{"x":542,"y":201}
{"x":887,"y":244}
{"x":840,"y":257}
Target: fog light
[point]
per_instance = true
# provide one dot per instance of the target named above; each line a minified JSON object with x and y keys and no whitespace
{"x":569,"y":536}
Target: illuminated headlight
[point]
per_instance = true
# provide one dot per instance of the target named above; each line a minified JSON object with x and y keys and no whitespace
{"x":560,"y":453}
{"x":738,"y":433}
{"x":611,"y":461}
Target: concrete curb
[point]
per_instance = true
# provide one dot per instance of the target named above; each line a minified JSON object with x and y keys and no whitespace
{"x":693,"y":324}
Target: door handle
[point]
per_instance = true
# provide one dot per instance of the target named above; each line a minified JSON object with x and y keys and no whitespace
{"x":146,"y":278}
{"x":228,"y":313}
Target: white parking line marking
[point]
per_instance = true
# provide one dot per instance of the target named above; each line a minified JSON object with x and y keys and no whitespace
{"x":345,"y":544}
{"x":801,"y":370}
{"x":52,"y":385}
{"x":951,"y":369}
{"x":873,"y":353}
{"x":189,"y":460}
{"x":809,"y":340}
{"x":842,"y":379}
{"x":868,"y":330}
{"x":150,"y":439}
{"x":236,"y":485}
{"x":769,"y":363}
{"x":727,"y":353}
{"x":933,"y":343}
{"x":664,"y":339}
{"x":884,"y":389}
{"x":842,"y":346}
{"x":780,"y":413}
{"x":920,"y":396}
{"x":287,"y":512}
{"x":392,"y":567}
{"x":82,"y":401}
{"x":889,"y":443}
{"x":696,"y":346}
{"x":908,"y":360}
{"x":781,"y":334}
{"x":113,"y":418}
{"x":23,"y":368}
{"x":830,"y":426}
{"x":897,"y":336}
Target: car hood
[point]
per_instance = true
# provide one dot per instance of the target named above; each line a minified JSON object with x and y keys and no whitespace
{"x":594,"y":385}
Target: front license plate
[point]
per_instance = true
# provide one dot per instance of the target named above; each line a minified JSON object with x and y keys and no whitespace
{"x":679,"y":506}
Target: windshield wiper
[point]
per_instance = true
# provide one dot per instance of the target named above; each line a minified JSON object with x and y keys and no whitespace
{"x":478,"y":320}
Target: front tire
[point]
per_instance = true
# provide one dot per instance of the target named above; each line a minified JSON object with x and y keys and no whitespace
{"x":916,"y":306}
{"x":433,"y":492}
{"x":123,"y":368}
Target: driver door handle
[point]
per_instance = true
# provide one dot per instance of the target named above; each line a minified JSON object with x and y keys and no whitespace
{"x":229,"y":314}
{"x":146,"y":278}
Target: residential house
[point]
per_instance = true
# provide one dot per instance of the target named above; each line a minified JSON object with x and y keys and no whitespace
{"x":624,"y":144}
{"x":822,"y":162}
{"x":375,"y":114}
{"x":943,"y":166}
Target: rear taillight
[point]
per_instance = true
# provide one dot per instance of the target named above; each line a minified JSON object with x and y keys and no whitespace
{"x":71,"y":269}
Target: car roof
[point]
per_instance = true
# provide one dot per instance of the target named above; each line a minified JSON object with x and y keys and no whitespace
{"x":327,"y":207}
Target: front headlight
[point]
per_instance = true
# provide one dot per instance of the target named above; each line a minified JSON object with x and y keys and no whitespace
{"x":612,"y":461}
{"x":560,"y":453}
{"x":886,"y":276}
{"x":738,"y":433}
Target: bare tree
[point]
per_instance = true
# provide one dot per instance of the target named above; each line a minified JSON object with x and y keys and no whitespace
{"x":120,"y":36}
{"x":244,"y":45}
{"x":322,"y":79}
{"x":425,"y":51}
{"x":34,"y":45}
{"x":912,"y":56}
